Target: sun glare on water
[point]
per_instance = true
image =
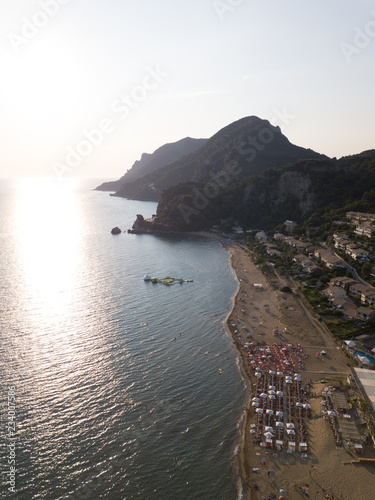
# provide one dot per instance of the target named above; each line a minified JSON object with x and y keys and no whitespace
{"x":47,"y":226}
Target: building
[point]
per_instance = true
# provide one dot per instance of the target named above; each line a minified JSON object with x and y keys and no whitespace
{"x":366,"y":379}
{"x":290,"y":226}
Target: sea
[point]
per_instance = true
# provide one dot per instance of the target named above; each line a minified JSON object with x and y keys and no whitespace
{"x":112,"y":387}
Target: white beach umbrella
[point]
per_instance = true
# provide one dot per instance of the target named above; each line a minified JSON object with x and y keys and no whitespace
{"x":263,"y":395}
{"x":272,"y":396}
{"x":268,"y":428}
{"x":271,"y":392}
{"x":290,"y":432}
{"x":279,"y":424}
{"x":255,"y":399}
{"x":290,"y":425}
{"x":252,"y":362}
{"x":299,"y":405}
{"x":269,"y":412}
{"x":259,"y":410}
{"x":279,"y":414}
{"x":289,"y":381}
{"x":307,"y":406}
{"x":258,"y":374}
{"x":280,"y":374}
{"x":255,"y":404}
{"x":332,"y":413}
{"x":268,"y":435}
{"x":271,"y":372}
{"x":271,"y":387}
{"x":279,"y":393}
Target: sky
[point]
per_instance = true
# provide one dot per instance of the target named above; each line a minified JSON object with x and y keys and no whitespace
{"x":87,"y":86}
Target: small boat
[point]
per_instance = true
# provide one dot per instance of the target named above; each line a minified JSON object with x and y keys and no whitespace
{"x":147,"y":277}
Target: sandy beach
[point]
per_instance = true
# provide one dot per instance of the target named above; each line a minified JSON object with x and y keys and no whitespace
{"x":327,"y":470}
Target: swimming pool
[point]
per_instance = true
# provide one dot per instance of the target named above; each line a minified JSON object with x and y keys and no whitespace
{"x":371,"y":359}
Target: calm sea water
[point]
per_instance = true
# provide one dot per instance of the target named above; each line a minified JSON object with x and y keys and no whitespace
{"x":117,"y":384}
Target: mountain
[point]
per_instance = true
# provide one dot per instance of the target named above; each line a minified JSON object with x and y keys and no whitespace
{"x":252,"y":144}
{"x":149,"y":162}
{"x":307,"y":191}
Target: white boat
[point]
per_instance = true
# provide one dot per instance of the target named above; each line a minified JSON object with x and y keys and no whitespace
{"x":147,"y":277}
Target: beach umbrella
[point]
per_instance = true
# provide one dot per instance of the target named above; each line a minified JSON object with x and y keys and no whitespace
{"x":279,"y":424}
{"x":289,"y":425}
{"x":289,"y":381}
{"x":255,"y":399}
{"x":332,"y":413}
{"x":271,"y":387}
{"x":268,"y":428}
{"x":300,"y":405}
{"x":269,"y":412}
{"x":252,"y":362}
{"x":290,"y":432}
{"x":263,"y":395}
{"x":255,"y":403}
{"x":280,"y":393}
{"x":271,"y":396}
{"x":306,"y":405}
{"x":280,"y":374}
{"x":257,"y":369}
{"x":271,"y":392}
{"x":268,"y":435}
{"x":282,"y":492}
{"x":258,"y":374}
{"x":259,"y":410}
{"x":271,"y":372}
{"x":279,"y":414}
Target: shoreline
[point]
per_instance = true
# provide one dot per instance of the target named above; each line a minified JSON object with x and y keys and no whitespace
{"x":259,"y":311}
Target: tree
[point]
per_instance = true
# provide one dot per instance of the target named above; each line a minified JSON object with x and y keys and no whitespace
{"x":366,"y":270}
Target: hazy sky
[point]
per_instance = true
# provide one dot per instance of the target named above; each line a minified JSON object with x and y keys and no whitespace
{"x":88,"y":85}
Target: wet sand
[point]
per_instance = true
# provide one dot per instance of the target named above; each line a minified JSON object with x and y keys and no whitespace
{"x":261,"y":310}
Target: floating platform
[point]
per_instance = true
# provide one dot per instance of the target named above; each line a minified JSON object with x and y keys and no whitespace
{"x":168,"y":280}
